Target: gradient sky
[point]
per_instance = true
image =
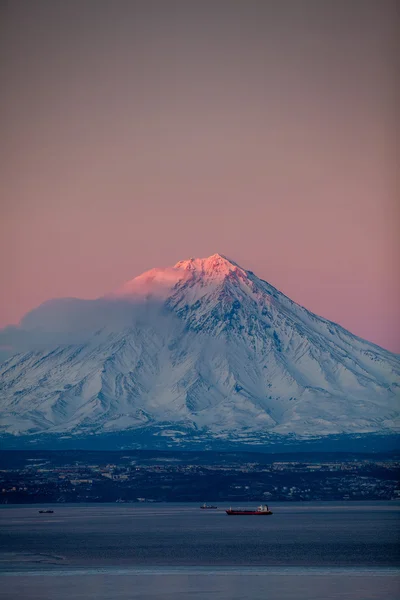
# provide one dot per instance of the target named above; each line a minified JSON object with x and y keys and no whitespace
{"x":138,"y":133}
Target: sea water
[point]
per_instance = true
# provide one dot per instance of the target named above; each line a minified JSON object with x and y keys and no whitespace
{"x":150,"y":551}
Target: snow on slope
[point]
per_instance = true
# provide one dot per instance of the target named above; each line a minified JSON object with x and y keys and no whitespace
{"x":204,"y":345}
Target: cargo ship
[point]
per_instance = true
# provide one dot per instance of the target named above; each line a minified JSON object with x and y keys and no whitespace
{"x":208,"y":507}
{"x":260,"y":510}
{"x":46,"y":512}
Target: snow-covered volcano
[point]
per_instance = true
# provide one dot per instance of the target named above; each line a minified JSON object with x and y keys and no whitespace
{"x":204,"y":347}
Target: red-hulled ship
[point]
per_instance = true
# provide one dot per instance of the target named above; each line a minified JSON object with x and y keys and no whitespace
{"x":260,"y":510}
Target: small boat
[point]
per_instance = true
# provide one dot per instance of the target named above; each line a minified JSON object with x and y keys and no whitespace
{"x":46,"y":512}
{"x":260,"y":510}
{"x":208,"y":507}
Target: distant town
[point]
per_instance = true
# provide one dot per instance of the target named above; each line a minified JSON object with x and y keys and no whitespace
{"x":149,"y":476}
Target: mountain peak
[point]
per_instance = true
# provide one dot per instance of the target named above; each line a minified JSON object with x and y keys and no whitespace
{"x":159,"y":283}
{"x":214,"y":265}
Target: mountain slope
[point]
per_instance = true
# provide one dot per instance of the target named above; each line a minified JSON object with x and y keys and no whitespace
{"x":202,"y":347}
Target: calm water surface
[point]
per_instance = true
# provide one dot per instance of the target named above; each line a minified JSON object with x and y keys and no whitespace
{"x":151,"y":551}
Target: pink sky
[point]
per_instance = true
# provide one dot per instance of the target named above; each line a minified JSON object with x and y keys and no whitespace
{"x":134,"y":137}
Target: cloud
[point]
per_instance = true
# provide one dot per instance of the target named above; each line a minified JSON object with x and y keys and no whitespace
{"x":69,"y":321}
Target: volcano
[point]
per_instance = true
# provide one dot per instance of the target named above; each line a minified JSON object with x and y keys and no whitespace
{"x":204,"y":350}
